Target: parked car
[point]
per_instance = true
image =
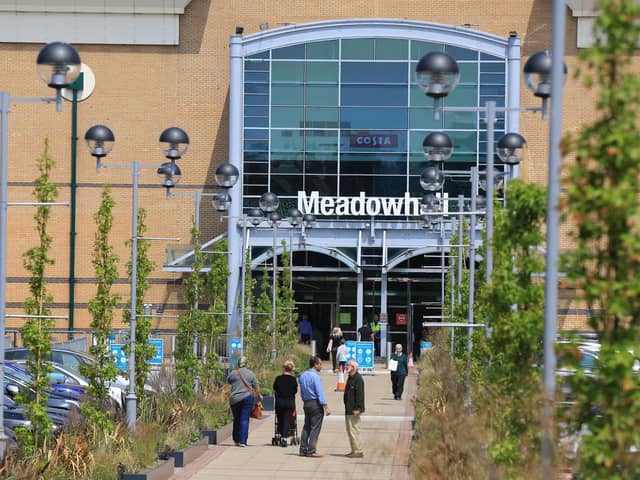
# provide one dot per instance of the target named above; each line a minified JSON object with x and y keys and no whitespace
{"x":13,"y":385}
{"x":73,"y":392}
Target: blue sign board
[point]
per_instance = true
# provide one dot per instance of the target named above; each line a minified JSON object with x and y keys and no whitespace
{"x":364,"y":354}
{"x":158,"y":355}
{"x":119,"y":356}
{"x":351,"y":345}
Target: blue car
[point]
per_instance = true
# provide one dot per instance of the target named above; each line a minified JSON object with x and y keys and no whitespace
{"x":73,"y":392}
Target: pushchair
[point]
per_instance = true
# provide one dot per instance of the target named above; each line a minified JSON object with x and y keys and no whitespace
{"x":280,"y":440}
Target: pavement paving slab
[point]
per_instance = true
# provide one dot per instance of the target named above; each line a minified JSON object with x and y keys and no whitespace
{"x":386,"y":438}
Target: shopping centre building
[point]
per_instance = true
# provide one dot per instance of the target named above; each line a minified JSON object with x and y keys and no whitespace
{"x":316,"y":102}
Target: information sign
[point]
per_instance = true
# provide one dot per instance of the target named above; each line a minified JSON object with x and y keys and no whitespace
{"x":158,"y":354}
{"x":119,"y":356}
{"x":364,"y":354}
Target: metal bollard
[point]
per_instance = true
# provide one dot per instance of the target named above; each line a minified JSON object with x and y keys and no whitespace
{"x":389,"y":350}
{"x":313,"y":348}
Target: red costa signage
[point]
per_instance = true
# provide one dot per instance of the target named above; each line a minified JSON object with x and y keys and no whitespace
{"x":401,"y":319}
{"x":371,"y":140}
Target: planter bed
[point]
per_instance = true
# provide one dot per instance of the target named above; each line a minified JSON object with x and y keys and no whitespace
{"x":164,"y":471}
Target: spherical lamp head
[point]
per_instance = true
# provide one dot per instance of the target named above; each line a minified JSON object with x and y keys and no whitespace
{"x":100,"y":140}
{"x":295,"y":216}
{"x":437,"y":74}
{"x":58,"y":64}
{"x":432,"y":179}
{"x":537,"y":73}
{"x":512,"y":148}
{"x":170,"y":174}
{"x":308,"y":219}
{"x":221,"y":201}
{"x":274,"y":219}
{"x":269,"y":202}
{"x":437,"y":147}
{"x":174,"y":143}
{"x":227,"y":175}
{"x":255,"y":216}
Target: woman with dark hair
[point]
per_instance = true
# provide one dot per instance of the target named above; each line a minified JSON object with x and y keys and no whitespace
{"x":285,"y":388}
{"x":244,"y":389}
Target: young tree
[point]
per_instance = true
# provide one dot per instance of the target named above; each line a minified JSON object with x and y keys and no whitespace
{"x":285,"y":302}
{"x":101,"y":307}
{"x":602,"y":197}
{"x":36,"y":333}
{"x":144,"y":351}
{"x":258,"y":337}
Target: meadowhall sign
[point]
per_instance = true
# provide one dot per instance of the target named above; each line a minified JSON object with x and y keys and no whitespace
{"x":360,"y":206}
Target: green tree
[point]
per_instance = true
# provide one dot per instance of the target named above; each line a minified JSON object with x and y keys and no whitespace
{"x":602,"y":198}
{"x":101,"y":307}
{"x":258,"y":337}
{"x":285,"y":303}
{"x":36,"y":332}
{"x":143,"y":351}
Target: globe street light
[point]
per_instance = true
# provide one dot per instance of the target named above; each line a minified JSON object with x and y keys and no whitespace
{"x":173,"y":144}
{"x":274,"y":219}
{"x":58,"y":64}
{"x":437,"y":147}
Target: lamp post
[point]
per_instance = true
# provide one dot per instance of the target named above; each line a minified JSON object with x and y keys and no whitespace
{"x":58,"y":64}
{"x":269,"y":203}
{"x":173,"y":144}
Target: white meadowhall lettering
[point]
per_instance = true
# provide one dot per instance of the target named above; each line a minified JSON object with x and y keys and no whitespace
{"x":360,"y":206}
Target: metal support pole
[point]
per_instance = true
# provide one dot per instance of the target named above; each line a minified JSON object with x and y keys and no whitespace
{"x":472,"y":275}
{"x":553,"y":241}
{"x":131,"y":396}
{"x":4,"y":108}
{"x":274,"y":289}
{"x":245,"y":245}
{"x":491,"y":118}
{"x":196,"y":224}
{"x":460,"y":246}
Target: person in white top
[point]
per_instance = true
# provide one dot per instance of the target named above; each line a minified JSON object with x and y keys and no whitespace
{"x":342,"y":355}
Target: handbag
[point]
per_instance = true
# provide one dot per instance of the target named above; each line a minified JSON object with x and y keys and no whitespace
{"x":393,"y":365}
{"x":256,"y":410}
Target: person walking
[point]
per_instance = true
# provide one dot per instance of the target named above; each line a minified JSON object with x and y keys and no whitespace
{"x":353,"y":408}
{"x":364,"y":333}
{"x":334,"y":344}
{"x":285,"y":388}
{"x":399,"y":375}
{"x":342,"y":354}
{"x":315,"y":407}
{"x":244,"y":390}
{"x":305,"y":330}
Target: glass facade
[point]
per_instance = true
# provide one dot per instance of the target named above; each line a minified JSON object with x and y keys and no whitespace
{"x":345,"y":116}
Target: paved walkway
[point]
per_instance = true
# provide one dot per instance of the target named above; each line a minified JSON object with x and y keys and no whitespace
{"x":386,"y":437}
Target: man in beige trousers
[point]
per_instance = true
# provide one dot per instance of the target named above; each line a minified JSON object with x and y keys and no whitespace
{"x":354,"y":407}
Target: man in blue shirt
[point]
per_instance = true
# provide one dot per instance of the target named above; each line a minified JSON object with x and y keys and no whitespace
{"x":315,"y":407}
{"x":305,"y":330}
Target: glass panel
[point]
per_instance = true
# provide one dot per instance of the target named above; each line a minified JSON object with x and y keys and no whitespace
{"x":287,"y":94}
{"x":286,"y":184}
{"x":375,"y":118}
{"x":468,"y":73}
{"x":287,"y":72}
{"x":322,"y":117}
{"x":253,"y":134}
{"x":491,"y":90}
{"x":391,"y":49}
{"x":323,"y":50}
{"x":457,"y":120}
{"x":322,"y":72}
{"x":374,"y":95}
{"x":256,"y":121}
{"x":464,"y":142}
{"x":420,"y":49}
{"x":256,"y":145}
{"x":262,"y":88}
{"x":286,"y":166}
{"x":462,"y":96}
{"x":466,"y":158}
{"x":486,"y":56}
{"x":264,"y":54}
{"x":256,"y":111}
{"x":372,"y":141}
{"x":253,"y":190}
{"x":294,"y":52}
{"x":322,"y":95}
{"x":373,"y":164}
{"x":461,"y":53}
{"x":321,"y":141}
{"x":321,"y":163}
{"x":499,"y":101}
{"x":325,"y":184}
{"x":287,"y":140}
{"x":417,"y":163}
{"x":379,"y":72}
{"x":385,"y":186}
{"x":256,"y":99}
{"x":256,"y":77}
{"x":255,"y":179}
{"x":256,"y":156}
{"x":251,"y":167}
{"x":492,"y":79}
{"x":256,"y":66}
{"x":357,"y":49}
{"x":492,"y":67}
{"x":418,"y":98}
{"x":422,"y":118}
{"x":287,"y":117}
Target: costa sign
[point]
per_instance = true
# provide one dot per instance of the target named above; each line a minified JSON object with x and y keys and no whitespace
{"x":360,"y":206}
{"x":369,"y":140}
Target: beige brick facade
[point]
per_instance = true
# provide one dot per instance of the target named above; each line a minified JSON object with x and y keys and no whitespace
{"x":140,"y":90}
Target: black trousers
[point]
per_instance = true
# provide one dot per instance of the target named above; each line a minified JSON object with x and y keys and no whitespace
{"x":313,"y":416}
{"x":397,"y":384}
{"x":284,"y":421}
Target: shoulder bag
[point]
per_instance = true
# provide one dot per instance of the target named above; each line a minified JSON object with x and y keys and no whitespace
{"x":256,"y":410}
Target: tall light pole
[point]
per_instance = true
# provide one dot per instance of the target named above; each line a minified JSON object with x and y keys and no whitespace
{"x":173,"y":143}
{"x":269,"y":203}
{"x":58,"y":65}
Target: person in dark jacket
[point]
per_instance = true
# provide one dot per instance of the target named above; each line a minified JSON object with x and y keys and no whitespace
{"x":400,"y":374}
{"x":285,"y":388}
{"x":353,"y":408}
